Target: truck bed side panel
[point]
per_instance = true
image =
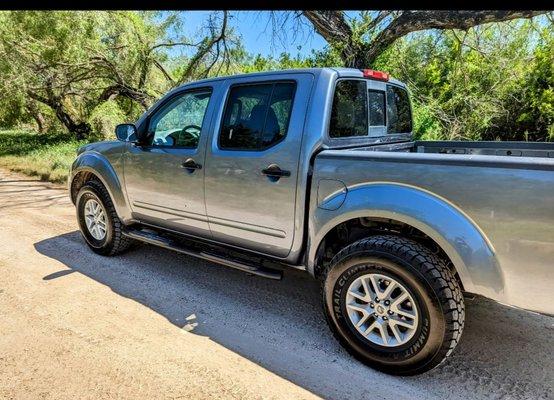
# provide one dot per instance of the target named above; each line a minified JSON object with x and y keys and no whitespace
{"x":509,"y":200}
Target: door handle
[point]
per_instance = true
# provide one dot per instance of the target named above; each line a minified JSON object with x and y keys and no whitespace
{"x":273,"y":171}
{"x":190,"y":165}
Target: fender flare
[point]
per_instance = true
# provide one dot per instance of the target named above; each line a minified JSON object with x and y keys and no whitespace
{"x":454,"y":231}
{"x":98,"y":165}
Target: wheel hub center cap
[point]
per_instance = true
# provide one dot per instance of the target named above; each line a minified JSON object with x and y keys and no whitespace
{"x":381,"y":309}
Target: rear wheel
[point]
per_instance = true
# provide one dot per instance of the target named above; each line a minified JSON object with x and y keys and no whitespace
{"x":98,"y":221}
{"x":393,"y":304}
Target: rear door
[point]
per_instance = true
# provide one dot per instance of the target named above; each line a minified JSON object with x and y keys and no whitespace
{"x":252,"y":162}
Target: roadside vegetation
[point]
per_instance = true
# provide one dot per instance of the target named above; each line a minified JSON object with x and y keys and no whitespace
{"x":46,"y":156}
{"x":68,"y":77}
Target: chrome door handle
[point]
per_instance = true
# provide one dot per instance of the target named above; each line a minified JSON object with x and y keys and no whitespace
{"x":190,"y":165}
{"x":274,"y":171}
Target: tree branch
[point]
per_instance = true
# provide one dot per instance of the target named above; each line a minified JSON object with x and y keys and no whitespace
{"x":164,"y":71}
{"x":205,"y":48}
{"x":334,"y":28}
{"x":413,"y":21}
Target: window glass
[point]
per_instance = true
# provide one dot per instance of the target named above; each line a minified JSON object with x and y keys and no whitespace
{"x":376,"y":108}
{"x":179,"y":123}
{"x":399,"y":116}
{"x":256,"y":116}
{"x":349,"y":112}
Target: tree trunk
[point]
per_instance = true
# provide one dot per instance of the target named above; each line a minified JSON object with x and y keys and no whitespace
{"x":82,"y":130}
{"x":41,"y":123}
{"x":37,"y":116}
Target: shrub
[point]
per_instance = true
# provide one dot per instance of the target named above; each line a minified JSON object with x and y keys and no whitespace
{"x":104,"y":118}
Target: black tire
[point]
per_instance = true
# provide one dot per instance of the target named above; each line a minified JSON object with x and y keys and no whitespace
{"x":114,"y":241}
{"x":434,"y":288}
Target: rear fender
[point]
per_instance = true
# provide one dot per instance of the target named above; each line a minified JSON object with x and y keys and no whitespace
{"x":461,"y":239}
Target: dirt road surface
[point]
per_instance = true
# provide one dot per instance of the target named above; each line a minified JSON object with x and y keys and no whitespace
{"x":156,"y":324}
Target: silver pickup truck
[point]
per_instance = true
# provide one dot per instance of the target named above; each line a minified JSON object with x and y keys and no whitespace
{"x":316,"y":170}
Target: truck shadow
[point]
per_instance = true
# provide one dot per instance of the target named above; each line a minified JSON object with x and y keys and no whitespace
{"x":279,"y":325}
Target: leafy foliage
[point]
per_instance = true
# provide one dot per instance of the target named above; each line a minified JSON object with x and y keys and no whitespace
{"x":46,"y":156}
{"x":71,"y":62}
{"x":490,"y":83}
{"x":84,"y":72}
{"x":104,"y":118}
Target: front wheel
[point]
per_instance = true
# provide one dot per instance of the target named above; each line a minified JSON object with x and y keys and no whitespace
{"x":98,"y":221}
{"x":393,"y":304}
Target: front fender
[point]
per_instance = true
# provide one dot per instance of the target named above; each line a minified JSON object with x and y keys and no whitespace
{"x":461,"y":239}
{"x":103,"y":169}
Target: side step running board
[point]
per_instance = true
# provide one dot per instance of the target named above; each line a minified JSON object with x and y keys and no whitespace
{"x":167,"y":243}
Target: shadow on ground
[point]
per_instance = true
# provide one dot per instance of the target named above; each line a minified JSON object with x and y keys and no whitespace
{"x":503,"y":353}
{"x":29,"y":193}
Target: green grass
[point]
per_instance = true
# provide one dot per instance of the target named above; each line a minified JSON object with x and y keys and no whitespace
{"x":47,"y":156}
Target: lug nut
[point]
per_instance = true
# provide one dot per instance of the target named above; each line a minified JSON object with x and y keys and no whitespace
{"x":371,"y":305}
{"x":387,"y":302}
{"x":377,"y":299}
{"x":390,"y":312}
{"x":385,"y":318}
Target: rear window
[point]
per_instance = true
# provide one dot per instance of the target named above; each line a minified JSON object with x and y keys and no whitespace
{"x":376,"y":108}
{"x":399,"y":116}
{"x":359,"y":111}
{"x":349,"y":112}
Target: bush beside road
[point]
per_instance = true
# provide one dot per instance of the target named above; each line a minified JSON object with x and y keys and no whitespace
{"x":46,"y":156}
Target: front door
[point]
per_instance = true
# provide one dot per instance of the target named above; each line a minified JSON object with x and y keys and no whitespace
{"x":252,"y":163}
{"x":165,"y":178}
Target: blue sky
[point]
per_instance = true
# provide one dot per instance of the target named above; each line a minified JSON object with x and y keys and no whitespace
{"x":256,"y":31}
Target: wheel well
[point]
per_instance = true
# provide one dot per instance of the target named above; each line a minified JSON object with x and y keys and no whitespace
{"x":358,"y":228}
{"x":79,"y":181}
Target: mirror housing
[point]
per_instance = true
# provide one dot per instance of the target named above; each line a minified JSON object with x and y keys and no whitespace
{"x":126,"y":132}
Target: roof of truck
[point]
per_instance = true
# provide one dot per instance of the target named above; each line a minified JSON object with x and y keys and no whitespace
{"x":342,"y":72}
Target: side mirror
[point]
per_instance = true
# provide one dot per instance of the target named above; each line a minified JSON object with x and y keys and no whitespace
{"x":126,"y":132}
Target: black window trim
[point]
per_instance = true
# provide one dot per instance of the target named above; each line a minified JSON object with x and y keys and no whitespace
{"x":256,"y":83}
{"x":160,"y":106}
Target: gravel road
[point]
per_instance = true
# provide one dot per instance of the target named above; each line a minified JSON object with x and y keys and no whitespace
{"x":156,"y":324}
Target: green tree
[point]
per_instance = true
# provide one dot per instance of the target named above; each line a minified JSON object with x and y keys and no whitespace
{"x":360,"y":41}
{"x":491,"y":82}
{"x":71,"y":62}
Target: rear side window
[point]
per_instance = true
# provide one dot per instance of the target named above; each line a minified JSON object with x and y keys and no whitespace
{"x":399,"y":115}
{"x":256,"y":116}
{"x":349,"y":112}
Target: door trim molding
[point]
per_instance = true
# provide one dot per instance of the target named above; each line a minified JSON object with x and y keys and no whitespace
{"x":172,"y":211}
{"x":247,"y":227}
